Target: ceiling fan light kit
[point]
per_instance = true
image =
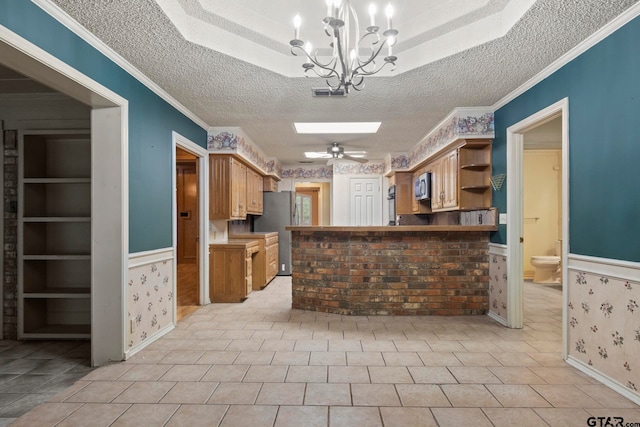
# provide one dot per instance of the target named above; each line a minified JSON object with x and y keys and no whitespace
{"x":349,"y":63}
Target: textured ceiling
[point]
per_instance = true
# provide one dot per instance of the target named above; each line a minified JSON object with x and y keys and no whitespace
{"x":225,"y":91}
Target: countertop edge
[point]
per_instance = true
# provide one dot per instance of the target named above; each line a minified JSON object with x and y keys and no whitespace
{"x":394,"y":228}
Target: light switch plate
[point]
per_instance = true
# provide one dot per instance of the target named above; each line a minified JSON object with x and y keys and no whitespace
{"x":502,"y":218}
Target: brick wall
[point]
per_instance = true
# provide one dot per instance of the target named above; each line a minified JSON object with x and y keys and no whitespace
{"x":10,"y":273}
{"x":391,"y":272}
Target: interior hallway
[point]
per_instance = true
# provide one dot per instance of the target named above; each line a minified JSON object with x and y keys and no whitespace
{"x":260,"y":363}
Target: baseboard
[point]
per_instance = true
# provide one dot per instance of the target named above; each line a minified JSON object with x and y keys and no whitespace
{"x":144,"y":344}
{"x":497,"y":318}
{"x":609,"y":382}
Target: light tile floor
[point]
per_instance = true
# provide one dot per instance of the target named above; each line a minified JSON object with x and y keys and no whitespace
{"x":260,"y":363}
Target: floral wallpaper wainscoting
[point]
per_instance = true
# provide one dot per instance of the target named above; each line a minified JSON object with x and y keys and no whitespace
{"x":498,"y":282}
{"x":604,"y":326}
{"x":150,"y":296}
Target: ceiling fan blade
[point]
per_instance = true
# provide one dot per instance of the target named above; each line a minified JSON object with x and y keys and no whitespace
{"x":355,"y":159}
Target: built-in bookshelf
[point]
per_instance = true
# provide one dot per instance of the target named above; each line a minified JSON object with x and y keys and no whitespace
{"x":54,"y":229}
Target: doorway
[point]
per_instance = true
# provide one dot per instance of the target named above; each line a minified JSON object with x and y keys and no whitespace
{"x":319,"y":194}
{"x":188,"y":235}
{"x":190,"y":225}
{"x":542,"y":231}
{"x":307,"y":199}
{"x":518,"y":219}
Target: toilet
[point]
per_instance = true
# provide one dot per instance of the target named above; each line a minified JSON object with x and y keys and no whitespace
{"x":548,"y":268}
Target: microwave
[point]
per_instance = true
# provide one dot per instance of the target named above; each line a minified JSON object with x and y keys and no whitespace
{"x":422,"y":186}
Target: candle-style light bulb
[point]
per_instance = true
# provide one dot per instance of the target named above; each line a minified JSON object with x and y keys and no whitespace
{"x":329,"y":7}
{"x":296,"y":26}
{"x":308,"y":48}
{"x":372,"y":14}
{"x":390,"y":42}
{"x":389,"y":12}
{"x":336,"y":6}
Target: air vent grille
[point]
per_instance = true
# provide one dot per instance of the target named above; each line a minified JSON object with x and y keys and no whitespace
{"x":326,"y":92}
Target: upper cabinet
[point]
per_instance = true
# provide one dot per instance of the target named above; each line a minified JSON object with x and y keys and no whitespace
{"x":460,"y":180}
{"x":254,"y":192}
{"x":474,"y":174}
{"x":235,"y":189}
{"x":227,"y":188}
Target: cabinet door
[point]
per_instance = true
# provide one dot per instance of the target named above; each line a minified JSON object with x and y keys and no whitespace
{"x":220,"y":191}
{"x":450,"y":183}
{"x":436,"y":185}
{"x":227,"y":276}
{"x":238,"y":190}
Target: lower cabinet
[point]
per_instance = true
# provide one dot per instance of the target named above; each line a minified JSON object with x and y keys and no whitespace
{"x":230,"y":270}
{"x":266,"y":260}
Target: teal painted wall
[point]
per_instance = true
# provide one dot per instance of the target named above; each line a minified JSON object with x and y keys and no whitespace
{"x":151,"y":121}
{"x":603,"y":87}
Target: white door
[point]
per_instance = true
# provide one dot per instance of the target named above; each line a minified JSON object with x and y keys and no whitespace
{"x":365,"y":202}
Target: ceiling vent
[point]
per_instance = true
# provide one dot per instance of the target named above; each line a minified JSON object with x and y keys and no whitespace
{"x":326,"y":92}
{"x":306,"y":162}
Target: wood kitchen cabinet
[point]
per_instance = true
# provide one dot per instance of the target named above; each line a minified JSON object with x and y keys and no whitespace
{"x":404,"y":193}
{"x":235,"y":189}
{"x":227,"y":188}
{"x":266,"y":260}
{"x":461,"y":178}
{"x":444,"y":182}
{"x":231,"y":267}
{"x":474,"y":175}
{"x":270,"y":184}
{"x":254,"y":192}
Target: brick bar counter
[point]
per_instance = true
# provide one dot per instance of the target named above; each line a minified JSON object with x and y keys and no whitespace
{"x":402,"y":270}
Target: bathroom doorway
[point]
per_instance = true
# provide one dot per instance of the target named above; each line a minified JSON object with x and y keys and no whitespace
{"x":542,"y":232}
{"x":530,"y":148}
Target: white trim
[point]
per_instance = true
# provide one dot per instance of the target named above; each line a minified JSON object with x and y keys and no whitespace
{"x":203,"y":212}
{"x":623,"y":270}
{"x":498,"y":249}
{"x":139,"y":259}
{"x":498,"y":319}
{"x":604,"y":379}
{"x":595,"y":38}
{"x":110,"y":187}
{"x":162,"y":332}
{"x":515,"y":154}
{"x":37,"y":64}
{"x":73,"y":25}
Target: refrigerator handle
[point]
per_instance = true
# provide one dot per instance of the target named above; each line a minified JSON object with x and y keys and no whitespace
{"x":295,"y":213}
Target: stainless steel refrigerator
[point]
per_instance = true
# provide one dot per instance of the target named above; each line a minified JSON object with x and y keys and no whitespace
{"x":279,"y":210}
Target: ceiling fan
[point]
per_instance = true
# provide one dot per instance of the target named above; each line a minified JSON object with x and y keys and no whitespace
{"x":337,"y":152}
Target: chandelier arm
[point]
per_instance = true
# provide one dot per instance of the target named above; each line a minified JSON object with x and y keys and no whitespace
{"x":373,"y":56}
{"x":313,"y":59}
{"x":327,"y":67}
{"x":364,"y":73}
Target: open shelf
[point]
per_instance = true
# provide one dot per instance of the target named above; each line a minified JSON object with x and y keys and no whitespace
{"x":64,"y":315}
{"x":475,"y":166}
{"x":474,"y":187}
{"x":54,"y":228}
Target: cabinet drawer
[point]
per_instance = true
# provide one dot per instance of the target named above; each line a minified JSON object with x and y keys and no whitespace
{"x":272,"y":255}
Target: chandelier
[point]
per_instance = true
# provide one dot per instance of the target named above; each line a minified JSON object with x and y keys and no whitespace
{"x":354,"y":56}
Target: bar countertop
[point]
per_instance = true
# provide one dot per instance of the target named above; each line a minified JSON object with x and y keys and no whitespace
{"x":392,"y":228}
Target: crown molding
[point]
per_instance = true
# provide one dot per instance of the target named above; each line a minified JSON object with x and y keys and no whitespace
{"x":75,"y":27}
{"x":595,"y":38}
